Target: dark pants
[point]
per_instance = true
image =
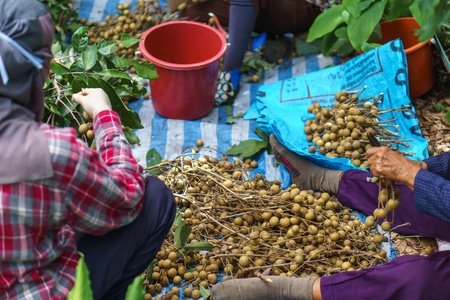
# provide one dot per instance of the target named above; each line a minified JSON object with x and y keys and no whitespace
{"x":405,"y":277}
{"x":116,"y":258}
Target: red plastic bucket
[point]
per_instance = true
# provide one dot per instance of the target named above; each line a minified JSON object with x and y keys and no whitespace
{"x":186,"y":55}
{"x":418,"y":55}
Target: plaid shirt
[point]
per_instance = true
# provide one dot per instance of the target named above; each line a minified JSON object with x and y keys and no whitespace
{"x":432,"y":187}
{"x":90,"y":191}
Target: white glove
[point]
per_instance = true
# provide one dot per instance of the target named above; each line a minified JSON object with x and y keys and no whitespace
{"x":93,"y":101}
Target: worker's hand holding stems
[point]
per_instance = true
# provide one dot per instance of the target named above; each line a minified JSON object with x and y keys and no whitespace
{"x":93,"y":100}
{"x":388,"y":164}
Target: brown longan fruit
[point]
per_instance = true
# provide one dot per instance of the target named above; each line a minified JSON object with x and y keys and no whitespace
{"x":90,"y":134}
{"x":195,"y":294}
{"x":244,"y":261}
{"x":83,"y":129}
{"x":188,"y":276}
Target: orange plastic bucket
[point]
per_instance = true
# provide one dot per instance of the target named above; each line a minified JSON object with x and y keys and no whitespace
{"x":186,"y":55}
{"x":418,"y":55}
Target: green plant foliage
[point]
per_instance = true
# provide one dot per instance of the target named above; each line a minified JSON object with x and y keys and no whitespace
{"x":64,"y":18}
{"x":204,"y":292}
{"x":353,"y":25}
{"x":250,"y":147}
{"x":81,"y":65}
{"x":135,"y":289}
{"x":181,"y":234}
{"x":198,"y":246}
{"x":153,"y":158}
{"x":82,"y":288}
{"x":325,"y":23}
{"x":247,"y":148}
{"x":255,"y":63}
{"x":231,"y":119}
{"x":360,"y":26}
{"x":127,"y":40}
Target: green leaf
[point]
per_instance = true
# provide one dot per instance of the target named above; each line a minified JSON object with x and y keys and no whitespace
{"x":52,"y":107}
{"x":107,"y":47}
{"x":343,"y":47}
{"x":326,"y":22}
{"x":228,"y":110}
{"x":178,"y":219}
{"x":78,"y":84}
{"x":247,"y":148}
{"x":150,"y":271}
{"x":143,"y":69}
{"x":56,"y":49}
{"x":127,"y":40}
{"x":205,"y":293}
{"x":82,"y":288}
{"x":114,"y":73}
{"x":345,"y":16}
{"x":423,"y":10}
{"x":357,"y":8}
{"x":131,"y":137}
{"x":369,"y":46}
{"x":376,"y":35}
{"x":360,"y":29}
{"x":341,"y":33}
{"x":261,"y":134}
{"x":181,"y":235}
{"x":399,"y":7}
{"x":328,"y":41}
{"x":230,"y":120}
{"x":239,"y":116}
{"x":77,"y":66}
{"x":447,"y":115}
{"x":199,"y":246}
{"x":440,"y":107}
{"x":135,"y":289}
{"x":59,"y":69}
{"x":433,"y":26}
{"x":128,"y":117}
{"x":80,"y":39}
{"x":89,"y":57}
{"x":347,"y":3}
{"x":153,"y":158}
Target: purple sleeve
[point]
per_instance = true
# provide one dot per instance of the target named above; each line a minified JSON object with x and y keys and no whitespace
{"x":432,"y":194}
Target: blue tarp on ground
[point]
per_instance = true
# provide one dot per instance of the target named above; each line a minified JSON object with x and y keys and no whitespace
{"x":281,"y":108}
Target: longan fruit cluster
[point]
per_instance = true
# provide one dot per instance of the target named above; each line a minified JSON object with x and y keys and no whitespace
{"x":341,"y":130}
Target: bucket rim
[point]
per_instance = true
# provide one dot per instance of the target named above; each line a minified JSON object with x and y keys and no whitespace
{"x":416,"y":46}
{"x":175,"y":66}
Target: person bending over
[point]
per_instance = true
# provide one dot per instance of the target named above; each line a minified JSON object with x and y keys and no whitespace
{"x":57,"y":195}
{"x":424,"y":203}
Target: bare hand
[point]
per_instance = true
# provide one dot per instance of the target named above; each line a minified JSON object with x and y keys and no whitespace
{"x":388,"y":164}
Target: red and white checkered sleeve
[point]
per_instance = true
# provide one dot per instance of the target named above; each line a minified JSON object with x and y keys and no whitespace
{"x":108,"y":185}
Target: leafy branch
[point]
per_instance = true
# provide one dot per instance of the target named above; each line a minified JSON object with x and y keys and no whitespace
{"x":250,"y":147}
{"x":81,"y":65}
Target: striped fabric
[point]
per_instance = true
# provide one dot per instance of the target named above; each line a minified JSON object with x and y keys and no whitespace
{"x":91,"y":191}
{"x":171,"y":137}
{"x":97,"y":10}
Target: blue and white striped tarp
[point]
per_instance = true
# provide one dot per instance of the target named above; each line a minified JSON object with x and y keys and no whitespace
{"x":171,"y":137}
{"x":97,"y":10}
